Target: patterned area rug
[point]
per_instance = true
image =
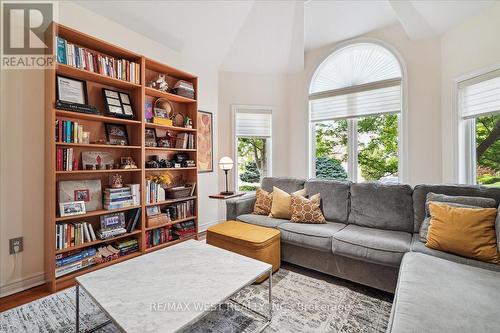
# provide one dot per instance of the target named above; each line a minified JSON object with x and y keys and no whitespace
{"x":301,"y":303}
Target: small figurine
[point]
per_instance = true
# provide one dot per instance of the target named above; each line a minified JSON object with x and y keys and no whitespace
{"x":116,"y":181}
{"x":127,"y":163}
{"x":161,"y":84}
{"x":188,"y":122}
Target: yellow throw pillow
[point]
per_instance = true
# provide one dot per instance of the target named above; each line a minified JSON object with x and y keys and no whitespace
{"x":282,"y":203}
{"x":307,"y":210}
{"x":468,"y":232}
{"x":263,"y":202}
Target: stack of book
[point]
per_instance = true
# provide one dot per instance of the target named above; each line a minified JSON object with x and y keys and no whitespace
{"x":180,"y":210}
{"x":72,"y":234}
{"x":65,"y":160}
{"x":115,"y":198}
{"x":184,"y":229}
{"x":126,"y":246}
{"x":184,"y":141}
{"x":70,"y":262}
{"x":158,"y":236}
{"x":68,"y":131}
{"x":82,"y":58}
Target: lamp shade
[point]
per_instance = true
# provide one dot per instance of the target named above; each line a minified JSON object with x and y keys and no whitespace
{"x":226,"y":163}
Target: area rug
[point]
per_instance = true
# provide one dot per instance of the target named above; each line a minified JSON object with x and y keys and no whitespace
{"x":301,"y":303}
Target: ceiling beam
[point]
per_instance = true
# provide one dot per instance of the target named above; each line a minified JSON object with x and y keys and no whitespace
{"x":414,"y":24}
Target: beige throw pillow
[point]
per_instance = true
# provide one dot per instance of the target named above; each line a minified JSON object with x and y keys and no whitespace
{"x":282,"y":203}
{"x":307,"y":210}
{"x":263,"y":202}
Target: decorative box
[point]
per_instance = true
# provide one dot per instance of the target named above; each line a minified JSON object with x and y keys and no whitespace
{"x":156,"y":220}
{"x":162,"y":121}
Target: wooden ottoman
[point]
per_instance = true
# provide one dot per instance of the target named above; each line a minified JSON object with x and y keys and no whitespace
{"x":249,"y":240}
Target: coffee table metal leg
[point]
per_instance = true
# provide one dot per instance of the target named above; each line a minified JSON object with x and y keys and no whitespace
{"x":270,"y":294}
{"x":77,"y":312}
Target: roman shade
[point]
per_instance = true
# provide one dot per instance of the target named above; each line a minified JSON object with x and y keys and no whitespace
{"x":253,"y":123}
{"x":480,"y":95}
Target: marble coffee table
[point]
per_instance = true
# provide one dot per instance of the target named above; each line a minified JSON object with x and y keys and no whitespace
{"x":170,"y":289}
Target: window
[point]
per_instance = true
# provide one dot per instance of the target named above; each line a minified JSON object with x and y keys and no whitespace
{"x":354,"y":107}
{"x":252,"y":142}
{"x":479,"y":106}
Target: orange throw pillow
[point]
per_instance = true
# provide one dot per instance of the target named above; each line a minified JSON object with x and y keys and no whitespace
{"x":468,"y":232}
{"x":307,"y":210}
{"x":263,"y":202}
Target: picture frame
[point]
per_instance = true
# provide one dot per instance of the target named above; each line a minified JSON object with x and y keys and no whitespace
{"x":112,"y":221}
{"x":70,"y":90}
{"x":163,"y":108}
{"x":205,"y":141}
{"x":152,"y":210}
{"x":150,"y":137}
{"x":88,"y":191}
{"x":116,"y":134}
{"x":118,"y":104}
{"x":72,"y":208}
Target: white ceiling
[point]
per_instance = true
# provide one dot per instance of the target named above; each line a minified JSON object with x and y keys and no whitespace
{"x":271,"y":36}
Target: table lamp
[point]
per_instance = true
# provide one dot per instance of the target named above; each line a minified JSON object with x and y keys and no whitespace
{"x":226,"y":164}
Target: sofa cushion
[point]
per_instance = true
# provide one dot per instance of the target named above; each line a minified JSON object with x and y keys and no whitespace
{"x":264,"y":221}
{"x":314,"y":236}
{"x":419,"y":246}
{"x":385,"y":247}
{"x":288,"y":185}
{"x":436,"y":295}
{"x":420,"y":195}
{"x":382,"y":206}
{"x":334,"y":198}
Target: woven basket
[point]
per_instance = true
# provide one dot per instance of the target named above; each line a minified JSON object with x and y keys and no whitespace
{"x":177,"y":193}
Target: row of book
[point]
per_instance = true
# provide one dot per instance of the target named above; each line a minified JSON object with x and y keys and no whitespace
{"x":180,"y":210}
{"x":73,"y":261}
{"x":184,"y":141}
{"x":72,"y":234}
{"x":65,"y":160}
{"x":82,"y":58}
{"x":68,"y":131}
{"x":158,"y":236}
{"x":154,"y":192}
{"x":116,"y":198}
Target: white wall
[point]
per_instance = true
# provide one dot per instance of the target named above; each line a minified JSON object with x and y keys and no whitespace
{"x":422,"y":59}
{"x":255,"y":89}
{"x":21,"y":135}
{"x":473,"y":45}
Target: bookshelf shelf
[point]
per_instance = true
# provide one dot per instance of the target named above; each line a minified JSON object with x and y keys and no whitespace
{"x":170,"y":201}
{"x":171,"y":97}
{"x":167,"y":244}
{"x":101,"y":241}
{"x":95,"y":213}
{"x":170,"y":149}
{"x":170,"y":128}
{"x":171,"y":223}
{"x":139,"y":95}
{"x":66,"y":70}
{"x":79,"y":172}
{"x":95,"y":117}
{"x":93,"y":145}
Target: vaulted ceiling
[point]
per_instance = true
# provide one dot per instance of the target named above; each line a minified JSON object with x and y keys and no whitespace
{"x":272,"y":36}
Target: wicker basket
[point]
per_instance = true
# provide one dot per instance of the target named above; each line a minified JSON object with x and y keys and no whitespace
{"x":177,"y":192}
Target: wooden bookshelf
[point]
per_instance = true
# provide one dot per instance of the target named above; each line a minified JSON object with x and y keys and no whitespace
{"x":94,"y":123}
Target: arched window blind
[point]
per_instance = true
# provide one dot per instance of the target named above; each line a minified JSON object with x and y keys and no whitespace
{"x":358,"y":80}
{"x":480,"y":95}
{"x":253,"y":123}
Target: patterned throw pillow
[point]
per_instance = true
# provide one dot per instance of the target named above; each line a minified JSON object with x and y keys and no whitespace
{"x":307,"y":210}
{"x":263,"y":202}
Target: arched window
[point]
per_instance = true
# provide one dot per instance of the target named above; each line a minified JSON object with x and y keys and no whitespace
{"x":355,"y":102}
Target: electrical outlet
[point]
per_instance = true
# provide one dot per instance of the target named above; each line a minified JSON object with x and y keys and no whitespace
{"x":16,"y":245}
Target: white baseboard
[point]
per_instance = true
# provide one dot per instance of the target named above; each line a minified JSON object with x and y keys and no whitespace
{"x":203,"y":227}
{"x":22,"y":284}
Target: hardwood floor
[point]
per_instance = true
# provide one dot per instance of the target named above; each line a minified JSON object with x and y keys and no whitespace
{"x":23,"y":297}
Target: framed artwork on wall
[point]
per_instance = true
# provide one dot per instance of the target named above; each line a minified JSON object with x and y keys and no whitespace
{"x":205,"y":142}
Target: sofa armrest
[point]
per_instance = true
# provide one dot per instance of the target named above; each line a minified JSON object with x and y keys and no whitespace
{"x":238,"y":206}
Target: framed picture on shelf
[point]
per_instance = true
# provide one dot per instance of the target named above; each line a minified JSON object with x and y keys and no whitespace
{"x":87,"y":191}
{"x":71,"y":90}
{"x":72,"y":208}
{"x":205,"y":141}
{"x":116,"y":134}
{"x":153,"y":210}
{"x":112,"y":221}
{"x":150,"y":137}
{"x":117,"y":103}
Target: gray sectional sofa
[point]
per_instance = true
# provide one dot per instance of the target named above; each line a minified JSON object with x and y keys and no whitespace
{"x":371,"y":237}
